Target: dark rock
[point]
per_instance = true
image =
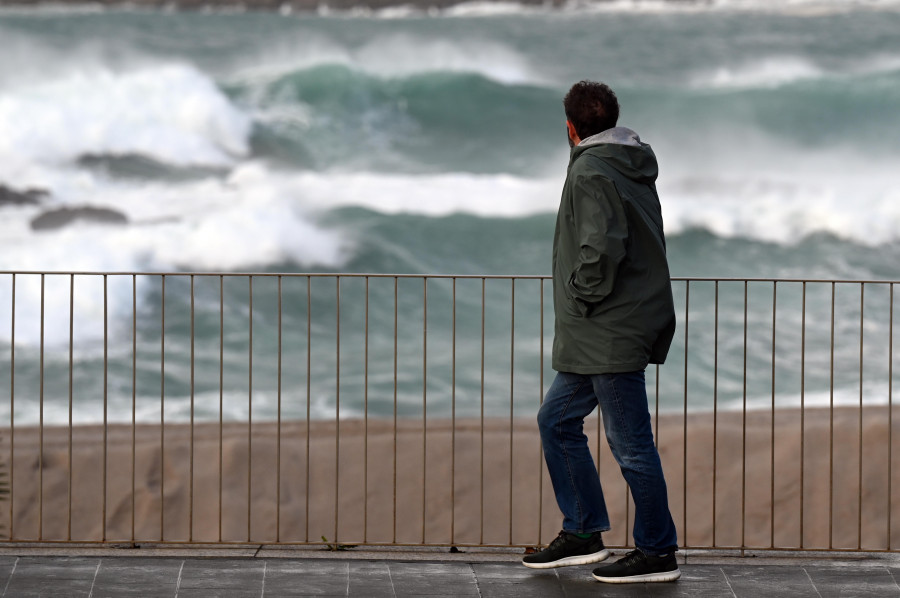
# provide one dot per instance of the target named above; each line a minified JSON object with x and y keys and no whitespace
{"x":62,"y":217}
{"x":28,"y":197}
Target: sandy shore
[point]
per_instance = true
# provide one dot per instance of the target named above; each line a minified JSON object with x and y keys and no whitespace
{"x":461,"y":494}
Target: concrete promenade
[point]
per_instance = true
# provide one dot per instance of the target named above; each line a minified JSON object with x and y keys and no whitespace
{"x":193,"y":572}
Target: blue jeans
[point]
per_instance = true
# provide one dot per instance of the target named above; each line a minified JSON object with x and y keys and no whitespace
{"x":626,"y":420}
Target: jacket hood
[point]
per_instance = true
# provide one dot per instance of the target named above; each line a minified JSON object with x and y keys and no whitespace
{"x":622,"y":149}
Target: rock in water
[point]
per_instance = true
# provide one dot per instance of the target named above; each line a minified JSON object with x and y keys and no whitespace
{"x":62,"y":217}
{"x":29,"y":197}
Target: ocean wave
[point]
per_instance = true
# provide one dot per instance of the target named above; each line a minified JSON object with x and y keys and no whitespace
{"x":769,"y":72}
{"x":428,"y":194}
{"x":776,"y":71}
{"x":388,"y":57}
{"x":172,"y":113}
{"x":209,"y":224}
{"x":479,"y":9}
{"x":431,"y":122}
{"x":259,"y":217}
{"x":785,"y":209}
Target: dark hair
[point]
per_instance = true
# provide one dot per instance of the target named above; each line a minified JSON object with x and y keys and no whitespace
{"x":592,"y":107}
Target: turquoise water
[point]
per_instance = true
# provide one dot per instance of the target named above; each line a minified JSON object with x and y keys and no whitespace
{"x":403,"y":142}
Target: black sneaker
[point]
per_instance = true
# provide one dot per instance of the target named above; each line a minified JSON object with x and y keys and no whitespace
{"x":637,"y":567}
{"x":567,"y":550}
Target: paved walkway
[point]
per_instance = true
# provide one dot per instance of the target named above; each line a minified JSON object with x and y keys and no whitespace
{"x":380,"y":576}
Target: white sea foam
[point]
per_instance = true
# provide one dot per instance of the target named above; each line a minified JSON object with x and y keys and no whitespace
{"x":487,"y":8}
{"x":202,"y":225}
{"x":258,"y":216}
{"x":390,"y":56}
{"x":768,"y":72}
{"x":781,"y":194}
{"x":430,"y":195}
{"x":874,"y":394}
{"x":775,"y":71}
{"x":173,"y":113}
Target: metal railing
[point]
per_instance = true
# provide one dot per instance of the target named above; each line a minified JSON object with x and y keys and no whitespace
{"x":346,"y":409}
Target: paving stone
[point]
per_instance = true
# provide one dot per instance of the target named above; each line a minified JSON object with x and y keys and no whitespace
{"x":577,"y":582}
{"x":57,"y":567}
{"x":152,"y":577}
{"x":218,"y":593}
{"x":142,"y":572}
{"x":128,"y":591}
{"x":52,"y":576}
{"x":697,"y":581}
{"x":505,"y":571}
{"x":49,"y":593}
{"x":500,"y":580}
{"x":771,"y":581}
{"x":233,"y":575}
{"x":370,"y":579}
{"x":853,"y":581}
{"x":305,"y":585}
{"x":7,"y":563}
{"x":433,"y":579}
{"x":517,"y":589}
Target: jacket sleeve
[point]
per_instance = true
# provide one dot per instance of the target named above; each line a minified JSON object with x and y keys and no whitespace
{"x":601,"y":231}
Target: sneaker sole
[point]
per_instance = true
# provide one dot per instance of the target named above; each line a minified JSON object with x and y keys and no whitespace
{"x":570,"y":561}
{"x":645,"y":578}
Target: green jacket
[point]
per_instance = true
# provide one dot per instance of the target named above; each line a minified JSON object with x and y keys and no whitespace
{"x":611,"y":288}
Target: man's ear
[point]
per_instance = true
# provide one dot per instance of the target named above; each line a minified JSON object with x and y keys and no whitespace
{"x":573,"y":135}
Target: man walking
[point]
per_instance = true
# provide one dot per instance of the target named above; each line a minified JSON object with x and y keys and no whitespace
{"x":614,"y":315}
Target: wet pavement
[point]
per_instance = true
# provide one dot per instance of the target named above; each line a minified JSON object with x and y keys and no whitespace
{"x":189,"y":573}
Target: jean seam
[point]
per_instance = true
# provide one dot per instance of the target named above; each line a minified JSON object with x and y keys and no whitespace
{"x":562,"y":445}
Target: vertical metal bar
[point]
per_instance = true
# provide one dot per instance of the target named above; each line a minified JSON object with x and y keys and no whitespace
{"x":453,"y":419}
{"x":133,"y":404}
{"x":424,"y":399}
{"x":308,"y":393}
{"x":105,"y":402}
{"x":684,"y":492}
{"x":831,"y":428}
{"x":12,"y":409}
{"x":512,"y":379}
{"x":41,"y":428}
{"x":250,"y":413}
{"x":540,"y":444}
{"x":715,"y":454}
{"x":162,"y":414}
{"x":71,"y":410}
{"x":394,"y":470}
{"x":278,"y":429}
{"x":337,"y":414}
{"x":802,"y":412}
{"x":191,"y":456}
{"x":744,"y":430}
{"x":890,"y":443}
{"x":481,"y":452}
{"x":862,"y":314}
{"x":772,"y":447}
{"x":221,"y":393}
{"x":366,"y":422}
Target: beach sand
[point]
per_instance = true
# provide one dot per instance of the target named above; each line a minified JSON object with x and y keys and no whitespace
{"x":473,"y":488}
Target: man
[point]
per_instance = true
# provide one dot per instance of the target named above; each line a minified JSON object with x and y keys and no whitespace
{"x":614,"y":315}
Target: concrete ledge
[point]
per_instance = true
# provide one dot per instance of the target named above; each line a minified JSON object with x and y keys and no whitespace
{"x":430,"y":554}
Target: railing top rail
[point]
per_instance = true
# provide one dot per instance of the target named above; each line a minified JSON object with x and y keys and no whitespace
{"x":272,"y":274}
{"x":419,"y":276}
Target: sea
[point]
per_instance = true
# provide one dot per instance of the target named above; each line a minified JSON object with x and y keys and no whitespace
{"x":432,"y":141}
